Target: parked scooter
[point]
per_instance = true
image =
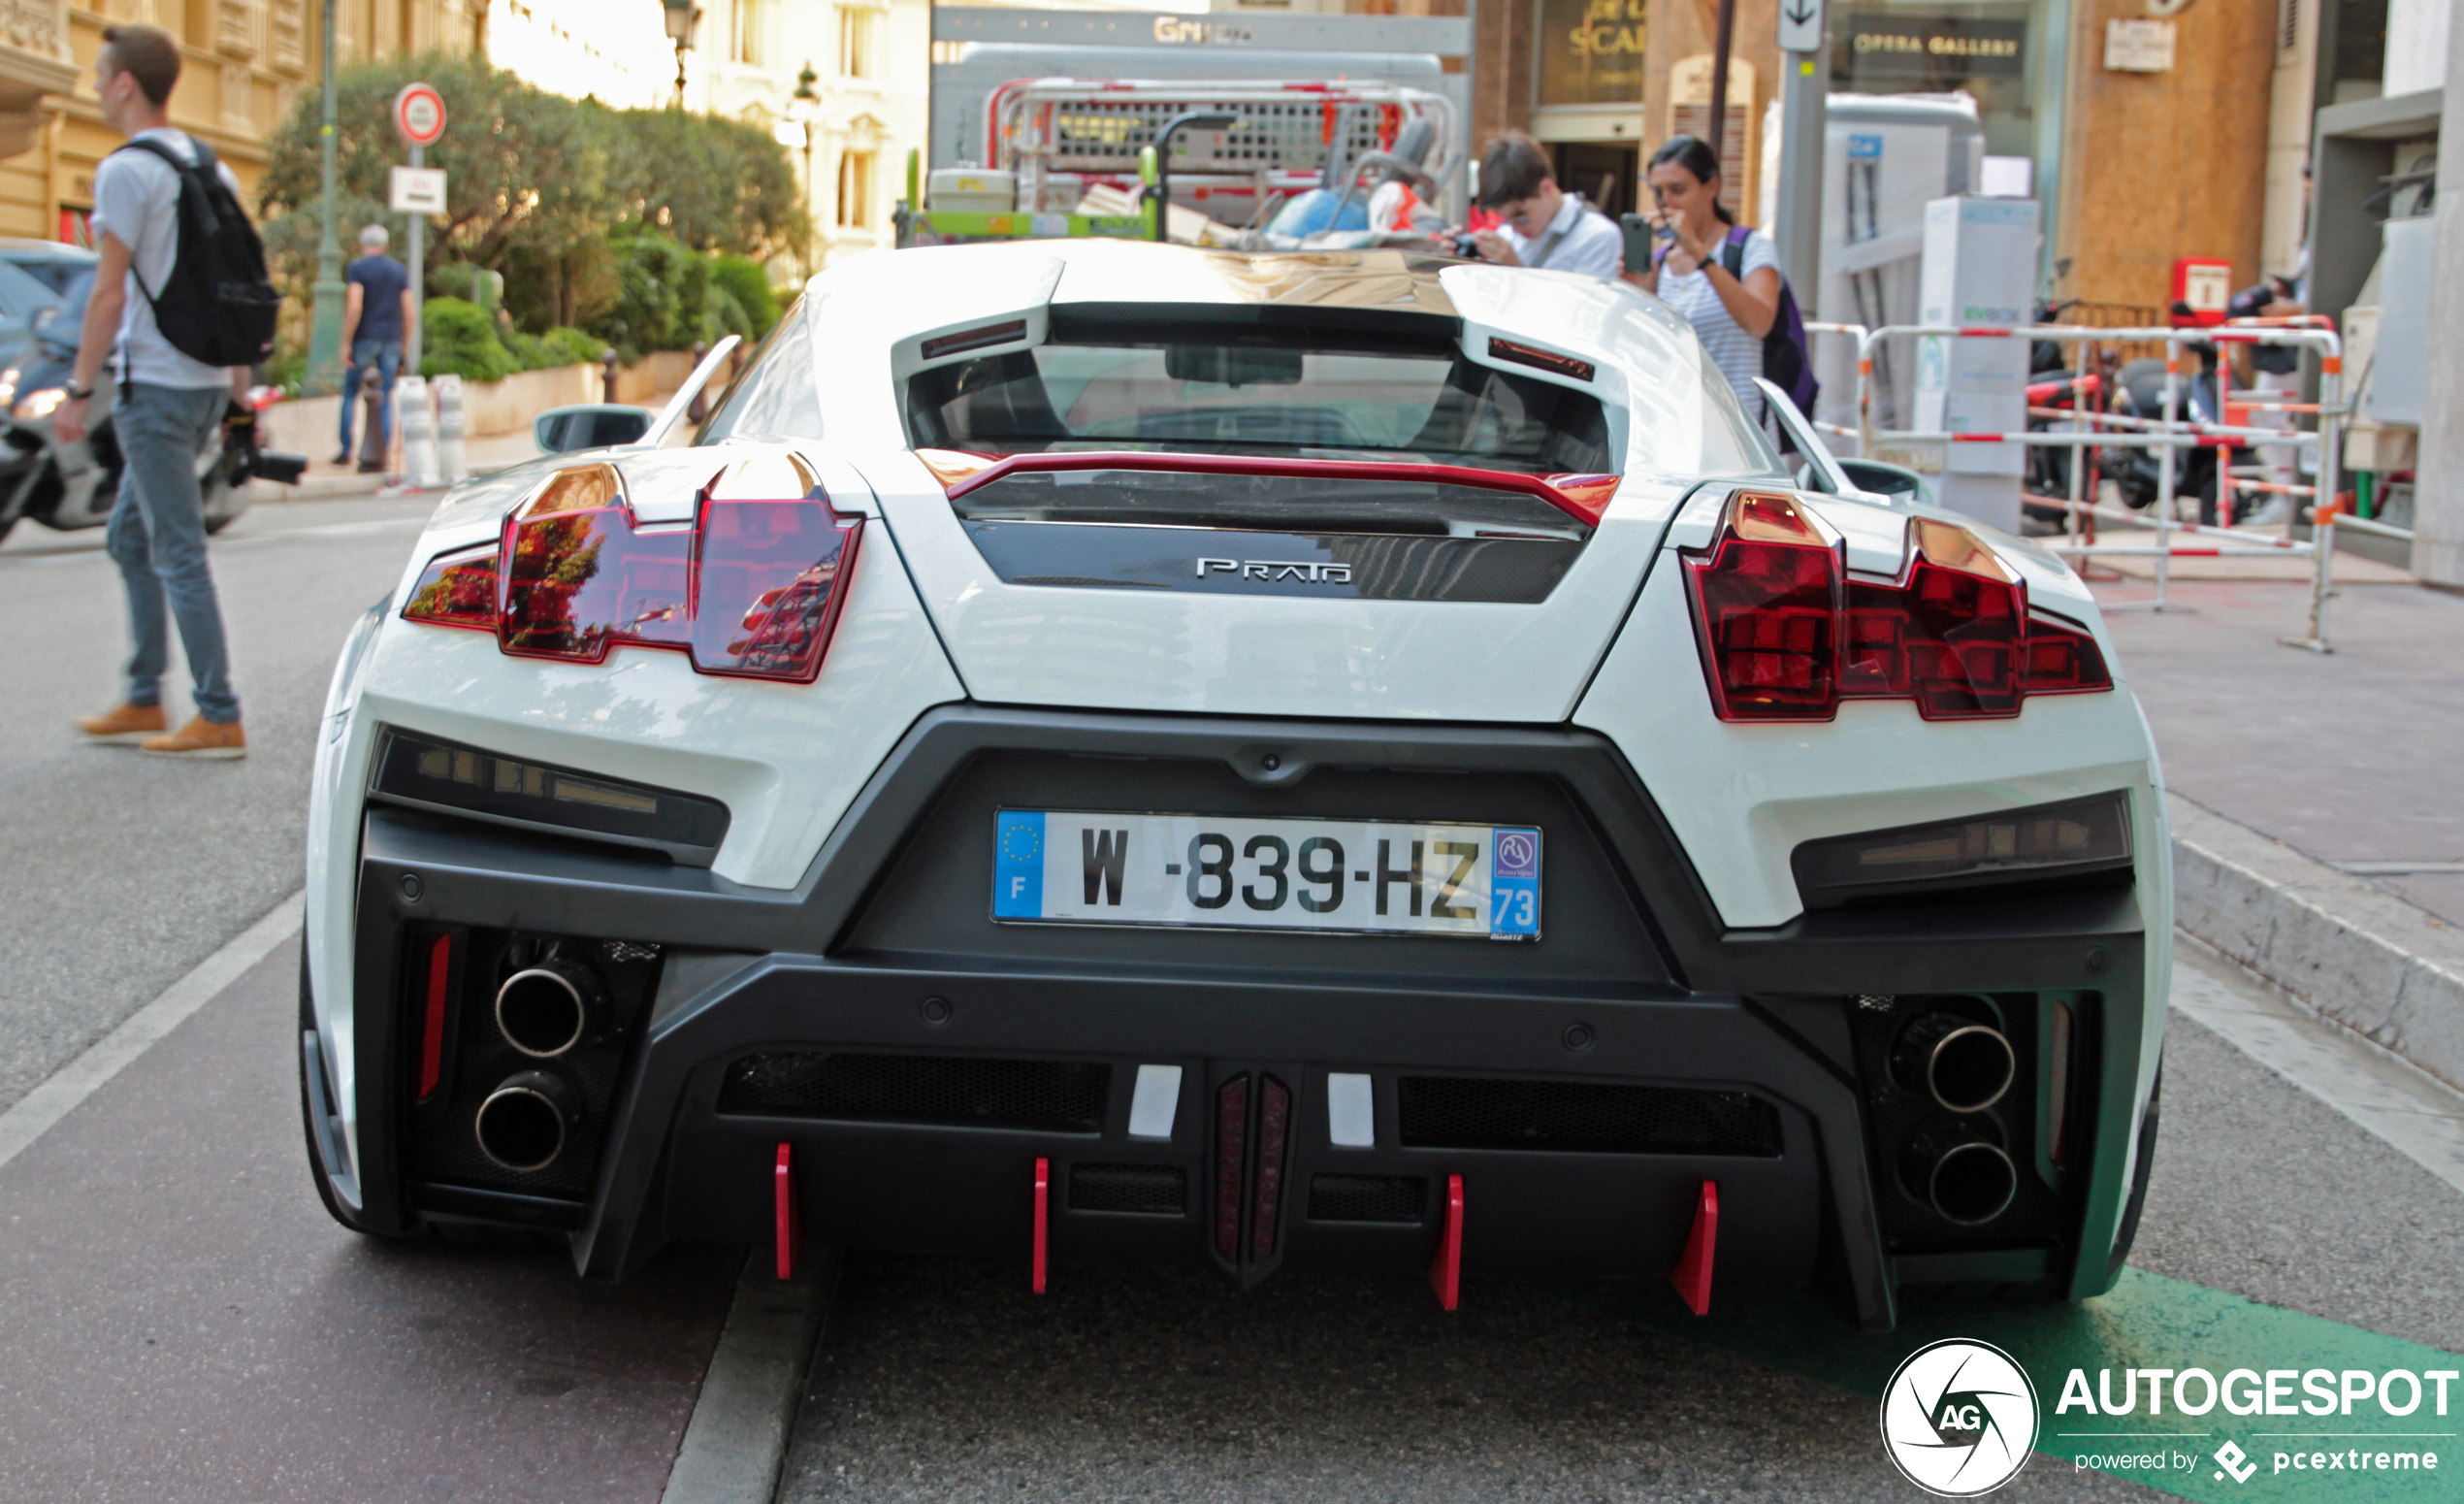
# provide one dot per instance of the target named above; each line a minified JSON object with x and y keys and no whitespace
{"x":67,"y":484}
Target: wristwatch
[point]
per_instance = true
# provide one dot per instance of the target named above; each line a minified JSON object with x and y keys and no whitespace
{"x":77,"y":393}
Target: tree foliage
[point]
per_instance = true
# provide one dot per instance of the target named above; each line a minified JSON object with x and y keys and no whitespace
{"x":566,"y":198}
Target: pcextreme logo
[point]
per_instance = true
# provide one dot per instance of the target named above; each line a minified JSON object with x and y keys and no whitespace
{"x":1958,"y":1418}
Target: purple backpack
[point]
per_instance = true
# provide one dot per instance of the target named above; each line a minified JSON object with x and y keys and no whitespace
{"x":1787,"y":363}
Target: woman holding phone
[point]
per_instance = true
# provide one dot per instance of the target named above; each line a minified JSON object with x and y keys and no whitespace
{"x":1724,"y":278}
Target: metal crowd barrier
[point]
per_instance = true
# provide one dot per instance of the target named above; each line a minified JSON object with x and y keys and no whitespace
{"x":2089,"y":430}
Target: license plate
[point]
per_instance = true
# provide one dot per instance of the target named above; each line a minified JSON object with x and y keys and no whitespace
{"x":1215,"y":872}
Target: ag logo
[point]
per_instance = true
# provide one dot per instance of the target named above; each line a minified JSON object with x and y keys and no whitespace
{"x":1958,"y":1418}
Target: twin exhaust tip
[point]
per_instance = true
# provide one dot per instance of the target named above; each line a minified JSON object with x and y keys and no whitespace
{"x":1958,"y":1168}
{"x":546,"y":1011}
{"x":1963,"y":1065}
{"x":524,"y":1124}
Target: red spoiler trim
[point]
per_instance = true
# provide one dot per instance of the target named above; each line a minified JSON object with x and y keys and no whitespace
{"x":1584,"y":498}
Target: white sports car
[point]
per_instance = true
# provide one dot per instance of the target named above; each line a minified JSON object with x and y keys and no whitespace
{"x":1101,"y":750}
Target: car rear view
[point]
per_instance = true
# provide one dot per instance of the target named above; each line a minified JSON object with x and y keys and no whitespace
{"x":1110,"y":752}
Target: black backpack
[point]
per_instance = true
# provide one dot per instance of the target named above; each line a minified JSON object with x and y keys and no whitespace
{"x":218,"y":305}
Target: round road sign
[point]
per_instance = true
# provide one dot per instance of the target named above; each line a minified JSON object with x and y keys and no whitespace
{"x":419,"y":113}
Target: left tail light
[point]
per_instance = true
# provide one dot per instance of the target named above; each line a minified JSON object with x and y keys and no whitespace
{"x":752,"y":588}
{"x":1787,"y":634}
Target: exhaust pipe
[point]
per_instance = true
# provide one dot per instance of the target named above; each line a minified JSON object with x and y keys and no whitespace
{"x":547,"y":1009}
{"x":1963,"y":1175}
{"x":524,"y":1124}
{"x":1963,"y":1065}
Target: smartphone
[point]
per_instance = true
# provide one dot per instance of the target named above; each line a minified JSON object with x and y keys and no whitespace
{"x":1640,"y":234}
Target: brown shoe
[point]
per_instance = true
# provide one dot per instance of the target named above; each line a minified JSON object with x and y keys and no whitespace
{"x":127,"y":723}
{"x":201,"y":739}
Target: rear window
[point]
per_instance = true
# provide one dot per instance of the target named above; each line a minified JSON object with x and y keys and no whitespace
{"x":1279,"y":392}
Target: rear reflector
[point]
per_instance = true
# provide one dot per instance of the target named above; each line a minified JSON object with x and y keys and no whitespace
{"x":1273,"y":1121}
{"x":1231,"y":1147}
{"x":751,"y":589}
{"x":431,"y":1037}
{"x":1786,"y":635}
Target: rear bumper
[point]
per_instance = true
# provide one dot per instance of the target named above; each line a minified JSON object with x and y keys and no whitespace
{"x":887,"y":951}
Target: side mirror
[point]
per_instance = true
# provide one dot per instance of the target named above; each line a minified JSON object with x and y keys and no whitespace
{"x":1895,"y":482}
{"x":590,"y":425}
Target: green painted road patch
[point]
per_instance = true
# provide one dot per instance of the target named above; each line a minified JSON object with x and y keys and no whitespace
{"x":2359,"y":1452}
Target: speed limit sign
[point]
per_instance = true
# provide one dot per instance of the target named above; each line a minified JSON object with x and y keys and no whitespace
{"x":419,"y":113}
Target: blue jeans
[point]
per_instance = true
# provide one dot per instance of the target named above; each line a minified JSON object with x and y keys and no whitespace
{"x":386,"y":357}
{"x":157,"y":536}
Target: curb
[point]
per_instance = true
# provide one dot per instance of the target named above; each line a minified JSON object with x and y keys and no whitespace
{"x":2359,"y":956}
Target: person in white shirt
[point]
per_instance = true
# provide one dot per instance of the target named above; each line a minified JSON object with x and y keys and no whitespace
{"x":1730,"y":310}
{"x":1545,"y":226}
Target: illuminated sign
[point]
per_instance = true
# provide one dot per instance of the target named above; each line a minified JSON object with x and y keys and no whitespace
{"x":1889,"y":45}
{"x":1591,"y":52}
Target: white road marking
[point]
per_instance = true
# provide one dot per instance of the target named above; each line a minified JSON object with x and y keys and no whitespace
{"x":72,"y":1083}
{"x":736,"y":1445}
{"x":2383,"y":1092}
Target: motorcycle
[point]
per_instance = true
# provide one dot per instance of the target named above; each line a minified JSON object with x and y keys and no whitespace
{"x":66,"y":484}
{"x":2133,"y":389}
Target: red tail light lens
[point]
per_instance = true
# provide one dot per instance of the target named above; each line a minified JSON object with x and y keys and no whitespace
{"x":1786,"y":635}
{"x":750,"y":589}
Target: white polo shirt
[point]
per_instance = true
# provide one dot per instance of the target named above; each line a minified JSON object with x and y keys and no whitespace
{"x":1587,"y":242}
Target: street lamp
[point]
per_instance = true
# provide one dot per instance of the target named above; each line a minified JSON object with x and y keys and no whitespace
{"x":683,"y":15}
{"x":1196,"y":120}
{"x":804,"y":107}
{"x":325,"y":328}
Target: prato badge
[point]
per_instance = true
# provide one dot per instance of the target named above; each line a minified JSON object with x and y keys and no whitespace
{"x":1958,"y":1418}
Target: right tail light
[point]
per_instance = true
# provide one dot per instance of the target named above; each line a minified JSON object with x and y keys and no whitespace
{"x":1787,"y":634}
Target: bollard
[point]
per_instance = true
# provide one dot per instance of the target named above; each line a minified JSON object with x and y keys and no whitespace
{"x":453,"y":458}
{"x":419,"y":435}
{"x":607,"y":376}
{"x":700,"y":408}
{"x":374,"y":441}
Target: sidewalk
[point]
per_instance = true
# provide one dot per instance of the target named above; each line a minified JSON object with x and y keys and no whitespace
{"x":325,"y":479}
{"x":2318,"y":828}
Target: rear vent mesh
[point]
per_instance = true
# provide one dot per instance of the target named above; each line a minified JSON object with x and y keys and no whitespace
{"x":1156,"y":1190}
{"x":1062,"y":1096}
{"x":1368,"y":1198}
{"x":1454,"y":1112}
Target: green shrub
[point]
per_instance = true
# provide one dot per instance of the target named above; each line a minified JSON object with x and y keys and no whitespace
{"x":459,"y":340}
{"x":570,"y":347}
{"x":749,"y":286}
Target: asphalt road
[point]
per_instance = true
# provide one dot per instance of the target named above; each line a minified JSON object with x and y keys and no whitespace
{"x":119,"y":871}
{"x":186,"y":1324}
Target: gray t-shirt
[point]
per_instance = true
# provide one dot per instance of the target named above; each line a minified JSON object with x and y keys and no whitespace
{"x":137,"y":198}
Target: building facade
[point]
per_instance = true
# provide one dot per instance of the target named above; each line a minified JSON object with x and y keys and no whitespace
{"x":244,"y":63}
{"x":849,"y":126}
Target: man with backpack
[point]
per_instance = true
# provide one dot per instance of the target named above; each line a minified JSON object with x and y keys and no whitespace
{"x":180,"y":296}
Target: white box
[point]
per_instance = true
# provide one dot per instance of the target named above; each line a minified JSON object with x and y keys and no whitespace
{"x":1979,"y":271}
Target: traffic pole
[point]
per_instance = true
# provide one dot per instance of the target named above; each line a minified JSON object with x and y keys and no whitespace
{"x":418,"y":273}
{"x":1805,"y":130}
